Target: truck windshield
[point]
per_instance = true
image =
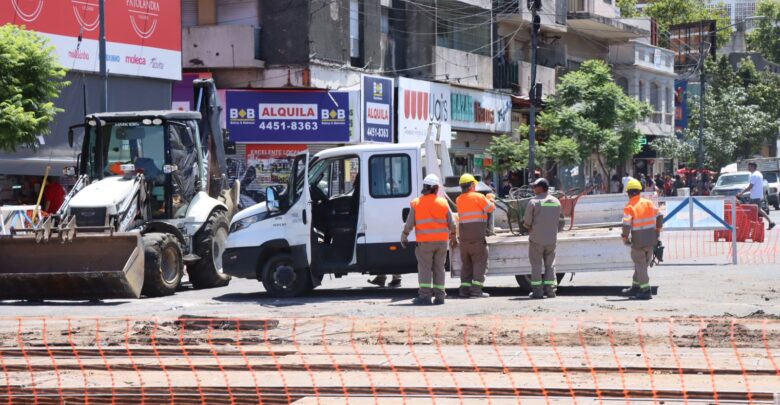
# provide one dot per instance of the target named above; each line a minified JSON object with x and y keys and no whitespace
{"x":770,"y":177}
{"x":126,"y":142}
{"x":733,"y":179}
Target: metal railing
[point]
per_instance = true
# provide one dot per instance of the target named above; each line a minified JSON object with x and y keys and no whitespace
{"x":506,"y":75}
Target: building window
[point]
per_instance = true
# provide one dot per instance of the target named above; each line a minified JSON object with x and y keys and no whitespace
{"x":390,"y":176}
{"x":354,"y":30}
{"x":462,"y":27}
{"x":384,"y":21}
{"x":641,"y":91}
{"x":655,"y":97}
{"x":623,"y":83}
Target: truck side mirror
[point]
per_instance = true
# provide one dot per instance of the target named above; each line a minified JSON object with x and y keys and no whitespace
{"x":271,"y":199}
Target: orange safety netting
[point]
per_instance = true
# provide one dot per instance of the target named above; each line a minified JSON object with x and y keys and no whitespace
{"x":405,"y":361}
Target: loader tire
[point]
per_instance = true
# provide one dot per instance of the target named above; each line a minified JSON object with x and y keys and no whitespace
{"x":163,"y":266}
{"x":524,"y":281}
{"x":209,"y":244}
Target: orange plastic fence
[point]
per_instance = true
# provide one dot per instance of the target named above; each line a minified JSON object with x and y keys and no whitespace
{"x":405,"y":361}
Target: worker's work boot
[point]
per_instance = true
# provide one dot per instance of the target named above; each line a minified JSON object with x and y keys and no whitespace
{"x":464,"y":292}
{"x":537,"y":293}
{"x":632,"y":291}
{"x":549,"y":291}
{"x":395,"y":283}
{"x":438,"y":301}
{"x":378,"y":281}
{"x":644,"y":295}
{"x":421,"y":301}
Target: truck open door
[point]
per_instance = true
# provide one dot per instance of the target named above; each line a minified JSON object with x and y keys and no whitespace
{"x":300,"y":209}
{"x":391,"y":183}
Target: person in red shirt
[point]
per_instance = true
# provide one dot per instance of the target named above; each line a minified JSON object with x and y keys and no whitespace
{"x":53,"y":196}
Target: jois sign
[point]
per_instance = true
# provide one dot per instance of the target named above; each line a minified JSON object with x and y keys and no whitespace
{"x":288,"y":116}
{"x":421,"y":103}
{"x":377,"y":102}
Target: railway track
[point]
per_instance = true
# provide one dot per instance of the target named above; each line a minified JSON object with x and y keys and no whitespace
{"x":390,"y":361}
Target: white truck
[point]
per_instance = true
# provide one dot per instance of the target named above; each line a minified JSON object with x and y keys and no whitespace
{"x":343,"y":212}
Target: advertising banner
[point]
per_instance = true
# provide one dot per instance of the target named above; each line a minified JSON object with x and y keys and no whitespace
{"x":270,"y":163}
{"x":419,"y":104}
{"x":143,"y":36}
{"x":680,"y":106}
{"x":258,"y":116}
{"x":480,"y":110}
{"x":377,"y":106}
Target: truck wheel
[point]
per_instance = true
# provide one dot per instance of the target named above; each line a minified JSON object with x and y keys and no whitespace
{"x":524,"y":281}
{"x":209,"y":244}
{"x":282,"y":280}
{"x":163,"y":265}
{"x":777,"y":206}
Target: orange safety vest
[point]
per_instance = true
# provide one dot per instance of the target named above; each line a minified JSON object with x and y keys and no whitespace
{"x":640,"y":217}
{"x":431,"y":215}
{"x":473,"y":207}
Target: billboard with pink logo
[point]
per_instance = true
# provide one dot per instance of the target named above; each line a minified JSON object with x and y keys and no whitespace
{"x":421,"y":103}
{"x":143,"y":36}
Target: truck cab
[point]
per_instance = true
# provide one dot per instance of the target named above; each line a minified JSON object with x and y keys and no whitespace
{"x":342,"y":211}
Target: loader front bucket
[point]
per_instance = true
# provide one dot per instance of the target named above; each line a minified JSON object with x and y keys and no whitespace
{"x":91,"y":266}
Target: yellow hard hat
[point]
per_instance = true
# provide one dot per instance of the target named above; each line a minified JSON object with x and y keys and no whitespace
{"x":634,"y":184}
{"x":467,"y":179}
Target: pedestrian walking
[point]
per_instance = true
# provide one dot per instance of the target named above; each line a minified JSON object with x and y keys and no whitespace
{"x":381,"y":279}
{"x":473,"y":210}
{"x":541,"y":221}
{"x":642,"y":223}
{"x":432,"y":221}
{"x":756,"y":190}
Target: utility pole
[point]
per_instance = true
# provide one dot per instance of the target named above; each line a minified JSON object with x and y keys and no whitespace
{"x":534,"y":6}
{"x":102,"y":56}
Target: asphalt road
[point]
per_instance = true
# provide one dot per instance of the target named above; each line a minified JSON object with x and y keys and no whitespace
{"x":701,"y":289}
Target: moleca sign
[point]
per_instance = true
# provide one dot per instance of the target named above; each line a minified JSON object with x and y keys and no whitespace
{"x":480,"y":110}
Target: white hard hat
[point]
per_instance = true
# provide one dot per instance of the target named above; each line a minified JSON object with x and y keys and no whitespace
{"x":431,"y":180}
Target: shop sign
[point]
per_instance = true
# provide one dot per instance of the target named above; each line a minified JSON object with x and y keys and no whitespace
{"x":481,"y":110}
{"x":288,"y":116}
{"x":143,"y":36}
{"x":269,"y":164}
{"x":377,"y":103}
{"x":680,"y":106}
{"x":421,"y":103}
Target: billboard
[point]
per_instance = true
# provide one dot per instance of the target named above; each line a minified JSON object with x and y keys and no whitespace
{"x":480,"y":110}
{"x":377,"y":105}
{"x":680,"y":106}
{"x":143,"y":36}
{"x":269,"y":116}
{"x":419,"y":104}
{"x":271,"y":164}
{"x":688,"y":39}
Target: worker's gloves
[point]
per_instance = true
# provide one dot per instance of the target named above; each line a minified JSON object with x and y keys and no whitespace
{"x":490,"y":196}
{"x":404,"y":240}
{"x":453,"y":242}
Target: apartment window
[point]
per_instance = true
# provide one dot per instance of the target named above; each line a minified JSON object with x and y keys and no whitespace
{"x":641,"y":91}
{"x":354,"y":30}
{"x":623,"y":83}
{"x":384,"y":21}
{"x":462,"y":27}
{"x":655,"y":97}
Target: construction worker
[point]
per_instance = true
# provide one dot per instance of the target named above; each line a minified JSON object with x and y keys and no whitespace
{"x":433,"y":225}
{"x":473,"y":210}
{"x":642,"y":222}
{"x":541,"y":220}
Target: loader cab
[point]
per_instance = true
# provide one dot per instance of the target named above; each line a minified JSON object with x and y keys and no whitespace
{"x":164,"y":146}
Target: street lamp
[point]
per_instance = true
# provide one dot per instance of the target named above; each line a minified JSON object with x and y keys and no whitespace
{"x":702,"y":84}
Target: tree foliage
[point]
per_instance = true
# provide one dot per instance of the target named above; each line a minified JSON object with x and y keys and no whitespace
{"x":590,"y":111}
{"x":672,"y":12}
{"x":740,"y":114}
{"x":766,"y":37}
{"x":30,"y":80}
{"x":627,"y":8}
{"x":508,"y":154}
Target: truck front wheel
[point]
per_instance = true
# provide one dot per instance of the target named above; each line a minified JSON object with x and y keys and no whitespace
{"x":209,"y":244}
{"x":281,"y":279}
{"x":163,"y":264}
{"x":524,"y":281}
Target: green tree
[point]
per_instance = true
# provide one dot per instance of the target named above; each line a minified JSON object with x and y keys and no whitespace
{"x":627,"y":8}
{"x":591,"y":111}
{"x":672,"y":12}
{"x":508,"y":154}
{"x":766,"y":37}
{"x":30,"y":80}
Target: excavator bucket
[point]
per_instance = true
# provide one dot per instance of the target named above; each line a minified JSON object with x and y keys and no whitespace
{"x":88,"y":267}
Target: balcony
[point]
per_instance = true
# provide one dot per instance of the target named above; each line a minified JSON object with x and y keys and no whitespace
{"x":601,"y":20}
{"x":642,"y":56}
{"x":517,"y":78}
{"x":222,"y":47}
{"x":466,"y":68}
{"x":515,"y":12}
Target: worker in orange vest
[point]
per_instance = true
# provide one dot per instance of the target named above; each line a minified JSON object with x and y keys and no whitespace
{"x":642,"y":222}
{"x":473,"y":210}
{"x":431,"y":219}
